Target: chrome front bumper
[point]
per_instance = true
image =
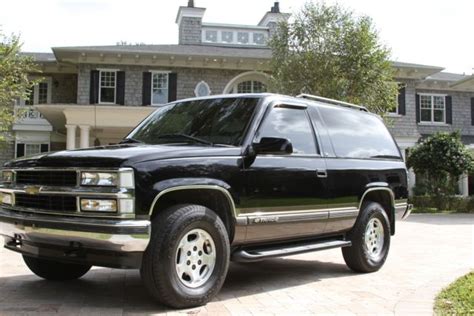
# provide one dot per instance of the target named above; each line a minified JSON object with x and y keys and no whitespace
{"x":71,"y":238}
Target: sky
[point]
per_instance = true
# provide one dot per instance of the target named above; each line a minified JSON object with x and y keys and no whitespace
{"x":437,"y":33}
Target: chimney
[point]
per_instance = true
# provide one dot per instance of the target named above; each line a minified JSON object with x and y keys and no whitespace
{"x":272,"y":17}
{"x":275,"y":8}
{"x":189,"y":20}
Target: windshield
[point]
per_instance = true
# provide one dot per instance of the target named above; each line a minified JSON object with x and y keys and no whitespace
{"x":205,"y":122}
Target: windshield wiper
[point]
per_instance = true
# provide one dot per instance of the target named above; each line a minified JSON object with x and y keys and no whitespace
{"x":130,"y":140}
{"x":195,"y":139}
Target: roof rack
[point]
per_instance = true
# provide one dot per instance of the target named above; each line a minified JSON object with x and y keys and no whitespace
{"x":332,"y":101}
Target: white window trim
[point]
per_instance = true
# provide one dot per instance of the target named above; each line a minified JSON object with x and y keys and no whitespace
{"x":432,"y":122}
{"x":235,"y":41}
{"x":153,"y":72}
{"x":115,"y":85}
{"x":202,"y":82}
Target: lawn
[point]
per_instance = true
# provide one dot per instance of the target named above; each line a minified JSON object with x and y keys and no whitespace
{"x":457,"y":298}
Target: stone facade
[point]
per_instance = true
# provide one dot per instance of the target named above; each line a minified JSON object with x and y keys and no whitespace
{"x":7,"y":152}
{"x":64,"y":90}
{"x":190,"y":31}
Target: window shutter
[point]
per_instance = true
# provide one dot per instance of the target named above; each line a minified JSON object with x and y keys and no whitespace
{"x":417,"y":108}
{"x":401,"y":101}
{"x":472,"y":111}
{"x":146,"y":93}
{"x":94,"y":87}
{"x":120,"y":87}
{"x":449,"y":110}
{"x":172,"y":87}
{"x":20,"y":150}
{"x":44,"y":148}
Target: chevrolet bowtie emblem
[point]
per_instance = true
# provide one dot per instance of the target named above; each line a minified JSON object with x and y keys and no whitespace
{"x":33,"y":190}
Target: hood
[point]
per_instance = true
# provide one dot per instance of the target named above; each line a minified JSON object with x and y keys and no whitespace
{"x":116,"y":156}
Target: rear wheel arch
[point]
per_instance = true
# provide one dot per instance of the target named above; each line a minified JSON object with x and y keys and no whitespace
{"x":386,"y":198}
{"x":214,"y":197}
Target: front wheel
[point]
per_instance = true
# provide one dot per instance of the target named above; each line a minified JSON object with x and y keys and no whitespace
{"x":187,"y":259}
{"x":54,"y":270}
{"x":370,"y":239}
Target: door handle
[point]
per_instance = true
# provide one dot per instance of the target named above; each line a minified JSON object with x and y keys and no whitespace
{"x":322,"y":173}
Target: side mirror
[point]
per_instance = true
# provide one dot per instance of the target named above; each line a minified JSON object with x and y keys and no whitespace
{"x":273,"y":145}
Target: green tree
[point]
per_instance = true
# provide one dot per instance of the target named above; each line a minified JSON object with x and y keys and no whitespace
{"x":440,"y":160}
{"x":328,"y":51}
{"x":14,"y":81}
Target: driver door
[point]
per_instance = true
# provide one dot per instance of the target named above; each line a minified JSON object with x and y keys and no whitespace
{"x":286,"y":193}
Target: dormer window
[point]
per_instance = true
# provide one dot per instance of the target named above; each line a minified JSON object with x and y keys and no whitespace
{"x":211,"y":36}
{"x":243,"y":37}
{"x":227,"y":37}
{"x":259,"y":38}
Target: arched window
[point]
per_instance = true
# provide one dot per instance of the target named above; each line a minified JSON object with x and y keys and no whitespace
{"x":250,"y":86}
{"x":248,"y":82}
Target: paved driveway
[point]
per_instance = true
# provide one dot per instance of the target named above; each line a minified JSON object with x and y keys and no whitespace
{"x":428,"y":252}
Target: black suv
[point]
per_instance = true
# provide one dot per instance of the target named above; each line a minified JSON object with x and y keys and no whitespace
{"x":204,"y":181}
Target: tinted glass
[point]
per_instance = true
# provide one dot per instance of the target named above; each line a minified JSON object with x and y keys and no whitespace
{"x":217,"y":121}
{"x":292,"y":124}
{"x":355,"y":134}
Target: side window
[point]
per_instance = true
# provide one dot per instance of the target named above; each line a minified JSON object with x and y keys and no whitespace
{"x":292,"y":124}
{"x":356,"y":134}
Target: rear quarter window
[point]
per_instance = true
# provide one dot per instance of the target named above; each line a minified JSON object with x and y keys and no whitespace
{"x":356,"y":134}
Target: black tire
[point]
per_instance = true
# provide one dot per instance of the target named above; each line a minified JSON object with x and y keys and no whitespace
{"x":54,"y":270}
{"x":358,"y":257}
{"x":159,"y":263}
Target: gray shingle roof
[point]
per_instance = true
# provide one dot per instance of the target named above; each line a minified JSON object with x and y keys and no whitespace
{"x":411,"y":65}
{"x":41,"y":57}
{"x":447,"y":76}
{"x":195,"y":50}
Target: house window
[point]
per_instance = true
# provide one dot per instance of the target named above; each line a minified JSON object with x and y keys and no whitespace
{"x":259,"y":38}
{"x":432,"y":108}
{"x":40,"y":94}
{"x":159,"y":88}
{"x":30,"y":149}
{"x":251,"y":86}
{"x":227,"y":37}
{"x":107,"y":86}
{"x":211,"y":36}
{"x":243,"y":37}
{"x":393,"y":110}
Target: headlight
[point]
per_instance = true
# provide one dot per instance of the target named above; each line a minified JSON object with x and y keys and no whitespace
{"x":6,"y":198}
{"x":109,"y":179}
{"x":93,"y":205}
{"x":7,"y":176}
{"x":122,"y":178}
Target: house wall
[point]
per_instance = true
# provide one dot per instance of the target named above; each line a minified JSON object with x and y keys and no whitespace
{"x":188,"y":78}
{"x":7,"y":152}
{"x":406,"y":125}
{"x":64,"y":89}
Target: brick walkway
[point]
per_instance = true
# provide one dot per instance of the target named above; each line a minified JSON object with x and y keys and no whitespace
{"x":428,"y":252}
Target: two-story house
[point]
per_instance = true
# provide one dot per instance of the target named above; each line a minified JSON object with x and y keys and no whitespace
{"x":95,"y":95}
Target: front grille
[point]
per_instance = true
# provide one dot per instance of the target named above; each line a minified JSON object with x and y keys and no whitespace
{"x":55,"y":203}
{"x":48,"y":178}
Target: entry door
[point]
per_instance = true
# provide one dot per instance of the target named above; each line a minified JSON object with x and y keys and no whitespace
{"x":286,"y":194}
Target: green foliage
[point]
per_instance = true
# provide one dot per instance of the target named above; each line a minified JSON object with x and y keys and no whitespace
{"x":458,"y":298}
{"x":14,"y":81}
{"x":451,"y":204}
{"x":438,"y":162}
{"x":328,"y":51}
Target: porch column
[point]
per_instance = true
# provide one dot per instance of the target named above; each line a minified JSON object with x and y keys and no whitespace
{"x":71,"y":137}
{"x":84,"y":136}
{"x":464,"y":185}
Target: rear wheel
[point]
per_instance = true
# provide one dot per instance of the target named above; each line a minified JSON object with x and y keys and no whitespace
{"x":370,"y":239}
{"x":187,"y":259}
{"x":54,"y":270}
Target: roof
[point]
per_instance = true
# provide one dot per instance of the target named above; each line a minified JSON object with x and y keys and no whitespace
{"x":447,"y":76}
{"x":411,"y":65}
{"x":174,"y":49}
{"x":40,"y":57}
